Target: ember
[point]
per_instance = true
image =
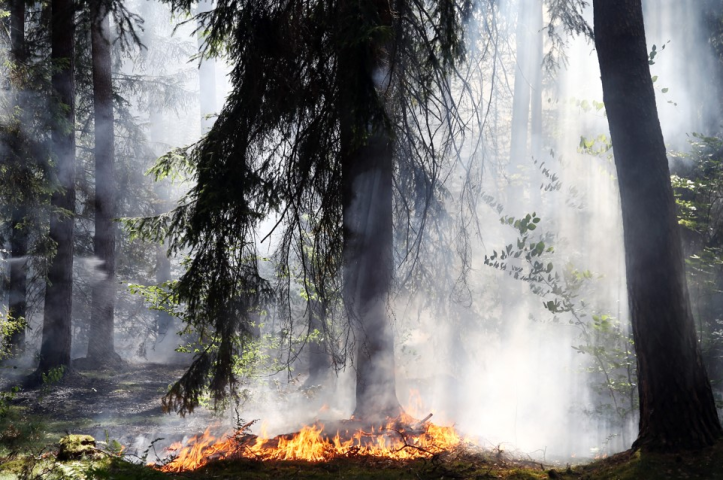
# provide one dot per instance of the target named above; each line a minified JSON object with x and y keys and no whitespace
{"x":401,"y":438}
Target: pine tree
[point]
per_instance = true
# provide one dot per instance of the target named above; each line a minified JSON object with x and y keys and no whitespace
{"x":17,"y":287}
{"x":56,"y":342}
{"x":101,"y":346}
{"x":677,"y":409}
{"x":322,"y":121}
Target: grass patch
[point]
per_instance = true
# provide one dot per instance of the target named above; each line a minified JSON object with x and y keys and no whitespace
{"x":705,"y":464}
{"x":20,"y":431}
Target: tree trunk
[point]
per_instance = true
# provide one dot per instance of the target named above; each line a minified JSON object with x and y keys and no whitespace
{"x":367,"y":191}
{"x":17,"y":305}
{"x":677,"y":408}
{"x":521,"y":99}
{"x":319,"y":358}
{"x":367,"y":185}
{"x":162,"y":190}
{"x":164,"y":320}
{"x":55,"y":347}
{"x":206,"y":78}
{"x":368,"y":274}
{"x":536,"y":88}
{"x":101,"y":346}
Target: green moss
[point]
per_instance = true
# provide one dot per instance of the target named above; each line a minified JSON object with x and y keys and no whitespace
{"x":73,"y":447}
{"x":118,"y":469}
{"x":646,"y":465}
{"x":20,"y":431}
{"x":12,"y":466}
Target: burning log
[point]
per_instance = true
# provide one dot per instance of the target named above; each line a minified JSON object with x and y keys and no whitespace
{"x":423,"y":421}
{"x":400,"y":439}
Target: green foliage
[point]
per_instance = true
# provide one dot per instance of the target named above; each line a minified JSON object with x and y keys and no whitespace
{"x":653,"y":53}
{"x":565,"y":17}
{"x":5,"y":399}
{"x":49,"y":380}
{"x":160,"y":298}
{"x":532,"y":259}
{"x":588,"y":146}
{"x":698,"y":185}
{"x":19,"y":431}
{"x":53,"y":376}
{"x":9,"y":326}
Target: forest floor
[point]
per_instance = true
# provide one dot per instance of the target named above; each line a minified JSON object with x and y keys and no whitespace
{"x":123,"y":408}
{"x":121,"y":405}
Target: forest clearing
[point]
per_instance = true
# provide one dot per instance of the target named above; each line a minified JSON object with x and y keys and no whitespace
{"x":361,"y":239}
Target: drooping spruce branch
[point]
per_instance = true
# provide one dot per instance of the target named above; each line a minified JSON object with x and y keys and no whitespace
{"x":274,"y":154}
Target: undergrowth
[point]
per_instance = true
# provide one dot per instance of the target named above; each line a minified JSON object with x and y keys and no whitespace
{"x":704,"y":464}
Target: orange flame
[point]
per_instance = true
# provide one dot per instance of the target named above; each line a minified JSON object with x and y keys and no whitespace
{"x":395,"y":441}
{"x":415,"y":406}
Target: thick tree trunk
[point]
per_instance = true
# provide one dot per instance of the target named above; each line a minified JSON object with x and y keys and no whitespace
{"x":319,"y":358}
{"x":17,"y":306}
{"x":55,"y":348}
{"x":677,"y":409}
{"x":367,"y":185}
{"x":368,"y":275}
{"x":101,"y":346}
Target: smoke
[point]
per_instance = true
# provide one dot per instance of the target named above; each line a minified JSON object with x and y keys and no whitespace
{"x":495,"y":361}
{"x":518,"y":375}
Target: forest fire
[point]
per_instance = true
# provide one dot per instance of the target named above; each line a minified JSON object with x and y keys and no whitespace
{"x":400,"y":439}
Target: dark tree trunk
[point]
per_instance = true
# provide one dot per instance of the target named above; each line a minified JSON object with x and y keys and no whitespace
{"x":677,"y":408}
{"x":55,"y":348}
{"x":17,"y":306}
{"x":18,"y":277}
{"x":101,"y":346}
{"x":367,"y":185}
{"x":368,"y":275}
{"x":319,"y":358}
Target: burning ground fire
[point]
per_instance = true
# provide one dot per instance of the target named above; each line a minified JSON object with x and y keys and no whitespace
{"x":400,"y":439}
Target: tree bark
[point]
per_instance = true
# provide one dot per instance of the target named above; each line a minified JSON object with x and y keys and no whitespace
{"x":55,"y":347}
{"x":17,"y":305}
{"x":368,"y":275}
{"x":101,"y":345}
{"x":677,"y":408}
{"x":367,"y":190}
{"x":319,"y":358}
